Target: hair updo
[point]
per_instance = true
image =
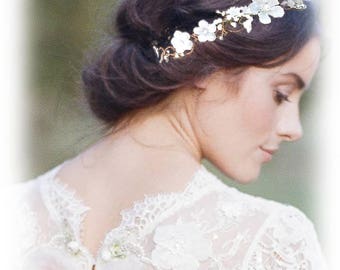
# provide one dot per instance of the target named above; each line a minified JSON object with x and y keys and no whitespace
{"x":127,"y":77}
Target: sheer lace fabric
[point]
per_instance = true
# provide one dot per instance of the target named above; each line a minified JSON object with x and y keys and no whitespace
{"x":207,"y":226}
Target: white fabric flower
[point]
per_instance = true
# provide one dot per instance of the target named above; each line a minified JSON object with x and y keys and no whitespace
{"x":235,"y":13}
{"x":266,"y":8}
{"x":219,"y":26}
{"x":205,"y":31}
{"x":180,"y":246}
{"x":181,"y":42}
{"x":218,"y":21}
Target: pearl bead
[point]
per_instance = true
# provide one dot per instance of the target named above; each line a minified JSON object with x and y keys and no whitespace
{"x":73,"y":246}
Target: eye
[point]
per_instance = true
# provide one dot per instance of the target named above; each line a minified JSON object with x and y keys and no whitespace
{"x":279,"y":97}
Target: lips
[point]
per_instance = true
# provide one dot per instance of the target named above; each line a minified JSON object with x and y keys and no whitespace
{"x":268,"y":153}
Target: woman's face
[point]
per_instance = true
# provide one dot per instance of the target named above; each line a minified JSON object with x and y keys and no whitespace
{"x":233,"y":130}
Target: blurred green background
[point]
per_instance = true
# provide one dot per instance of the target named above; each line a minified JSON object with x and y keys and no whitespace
{"x":62,"y":32}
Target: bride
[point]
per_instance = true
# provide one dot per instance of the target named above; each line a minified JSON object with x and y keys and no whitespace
{"x":181,"y":81}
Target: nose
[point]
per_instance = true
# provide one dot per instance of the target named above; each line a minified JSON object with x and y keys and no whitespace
{"x":289,"y":125}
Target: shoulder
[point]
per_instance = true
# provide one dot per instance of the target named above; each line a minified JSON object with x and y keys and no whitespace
{"x":19,"y":226}
{"x":236,"y":230}
{"x":272,"y":234}
{"x":231,"y":200}
{"x":28,"y":190}
{"x":281,"y":235}
{"x":19,"y":195}
{"x":224,"y":195}
{"x":21,"y":200}
{"x":287,"y":237}
{"x":24,"y":215}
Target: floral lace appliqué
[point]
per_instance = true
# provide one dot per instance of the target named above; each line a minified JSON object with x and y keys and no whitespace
{"x":180,"y":246}
{"x":283,"y":243}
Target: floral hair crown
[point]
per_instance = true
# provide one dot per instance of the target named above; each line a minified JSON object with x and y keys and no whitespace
{"x":182,"y":43}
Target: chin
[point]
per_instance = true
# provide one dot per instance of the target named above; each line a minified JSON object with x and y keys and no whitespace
{"x":243,"y":176}
{"x":245,"y":180}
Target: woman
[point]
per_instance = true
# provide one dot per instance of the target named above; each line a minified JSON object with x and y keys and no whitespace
{"x":182,"y":81}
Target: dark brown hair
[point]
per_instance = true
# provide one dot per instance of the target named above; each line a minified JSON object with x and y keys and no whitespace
{"x":127,"y":77}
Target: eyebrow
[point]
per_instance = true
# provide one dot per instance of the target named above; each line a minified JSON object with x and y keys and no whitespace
{"x":298,"y":80}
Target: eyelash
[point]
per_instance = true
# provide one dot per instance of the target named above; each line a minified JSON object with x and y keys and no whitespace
{"x":279,"y":97}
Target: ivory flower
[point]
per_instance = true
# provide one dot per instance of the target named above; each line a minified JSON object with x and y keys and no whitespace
{"x":181,"y":42}
{"x":205,"y":31}
{"x":266,"y":8}
{"x":235,"y":13}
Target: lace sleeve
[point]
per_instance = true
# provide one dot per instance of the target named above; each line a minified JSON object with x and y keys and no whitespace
{"x":287,"y":240}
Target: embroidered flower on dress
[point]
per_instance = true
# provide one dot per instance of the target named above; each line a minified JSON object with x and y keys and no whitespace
{"x":180,"y":246}
{"x":290,"y":232}
{"x":266,"y":8}
{"x":115,"y":251}
{"x":205,"y":31}
{"x":181,"y":42}
{"x":231,"y":210}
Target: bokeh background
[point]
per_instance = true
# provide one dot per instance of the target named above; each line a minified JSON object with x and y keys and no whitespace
{"x":62,"y":33}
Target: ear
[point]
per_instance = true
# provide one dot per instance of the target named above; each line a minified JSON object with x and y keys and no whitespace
{"x":202,"y":83}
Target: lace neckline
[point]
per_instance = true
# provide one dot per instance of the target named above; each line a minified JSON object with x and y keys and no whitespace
{"x":69,"y":210}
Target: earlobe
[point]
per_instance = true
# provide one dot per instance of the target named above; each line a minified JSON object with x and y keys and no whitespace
{"x":202,"y":83}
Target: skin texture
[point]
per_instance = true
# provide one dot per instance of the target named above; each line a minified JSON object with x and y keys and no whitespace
{"x":161,"y":151}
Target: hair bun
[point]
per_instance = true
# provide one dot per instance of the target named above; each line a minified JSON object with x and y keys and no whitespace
{"x":136,"y":23}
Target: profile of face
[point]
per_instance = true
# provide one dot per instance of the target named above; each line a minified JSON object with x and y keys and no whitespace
{"x":234,"y":131}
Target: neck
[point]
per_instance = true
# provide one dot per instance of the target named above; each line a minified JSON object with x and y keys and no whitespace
{"x":161,"y":153}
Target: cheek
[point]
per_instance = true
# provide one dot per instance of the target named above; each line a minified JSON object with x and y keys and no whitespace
{"x":257,"y":115}
{"x":232,"y":133}
{"x":237,"y":122}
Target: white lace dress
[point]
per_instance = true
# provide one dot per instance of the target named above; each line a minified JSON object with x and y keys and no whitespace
{"x":207,"y":226}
